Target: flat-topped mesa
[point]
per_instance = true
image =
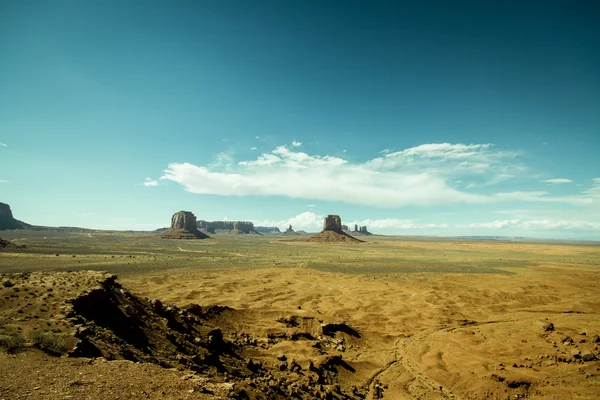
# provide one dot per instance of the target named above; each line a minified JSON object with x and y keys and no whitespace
{"x":332,"y":223}
{"x":226,"y":226}
{"x":183,"y":226}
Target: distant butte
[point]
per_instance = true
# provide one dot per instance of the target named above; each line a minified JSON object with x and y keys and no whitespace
{"x":332,"y":232}
{"x":183,"y":226}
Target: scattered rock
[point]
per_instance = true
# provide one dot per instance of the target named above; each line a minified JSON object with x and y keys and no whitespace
{"x":549,"y":327}
{"x":588,"y":356}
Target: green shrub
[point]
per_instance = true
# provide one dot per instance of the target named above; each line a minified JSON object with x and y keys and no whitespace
{"x":12,"y":343}
{"x":8,"y":284}
{"x":49,"y":343}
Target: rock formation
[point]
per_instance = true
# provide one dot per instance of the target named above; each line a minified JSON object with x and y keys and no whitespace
{"x":332,"y":232}
{"x":183,"y":226}
{"x":332,"y":223}
{"x":267,"y":229}
{"x":363,"y":230}
{"x":7,"y":221}
{"x":230,"y":227}
{"x":290,"y":231}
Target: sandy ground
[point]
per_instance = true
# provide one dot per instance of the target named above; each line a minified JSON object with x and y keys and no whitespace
{"x":435,"y":319}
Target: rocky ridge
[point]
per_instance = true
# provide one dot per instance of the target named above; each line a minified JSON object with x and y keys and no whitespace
{"x":104,"y":321}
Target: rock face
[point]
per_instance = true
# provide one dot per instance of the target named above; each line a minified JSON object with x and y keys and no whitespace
{"x":332,"y":223}
{"x":183,"y":226}
{"x":5,"y":210}
{"x":183,"y":220}
{"x":7,"y":221}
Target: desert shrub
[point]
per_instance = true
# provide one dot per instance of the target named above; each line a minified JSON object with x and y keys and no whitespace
{"x":12,"y":343}
{"x":8,"y":283}
{"x":49,"y":343}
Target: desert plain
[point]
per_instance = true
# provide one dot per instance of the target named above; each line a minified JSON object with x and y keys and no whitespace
{"x":391,"y":318}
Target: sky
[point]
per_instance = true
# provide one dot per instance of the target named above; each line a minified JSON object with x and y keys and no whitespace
{"x":413,"y":118}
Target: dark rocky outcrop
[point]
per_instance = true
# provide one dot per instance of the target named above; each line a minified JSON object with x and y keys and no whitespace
{"x":5,"y":244}
{"x":7,"y":221}
{"x":183,"y":226}
{"x":229,"y":227}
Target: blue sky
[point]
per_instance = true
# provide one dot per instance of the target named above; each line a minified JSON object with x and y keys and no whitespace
{"x":443,"y":118}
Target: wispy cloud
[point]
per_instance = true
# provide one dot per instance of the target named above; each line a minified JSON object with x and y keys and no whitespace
{"x":557,"y":180}
{"x":313,"y":222}
{"x":296,"y":144}
{"x":535,"y":225}
{"x":429,"y":174}
{"x":395,"y":224}
{"x":253,"y":148}
{"x":150,"y":182}
{"x":305,"y":221}
{"x":3,"y":145}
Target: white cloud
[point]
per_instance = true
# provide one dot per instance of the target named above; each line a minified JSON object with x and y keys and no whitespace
{"x":310,"y":205}
{"x":257,"y":137}
{"x":529,"y":225}
{"x":557,"y":180}
{"x":296,"y":144}
{"x":253,"y":148}
{"x":3,"y":181}
{"x":291,"y":173}
{"x":544,"y":197}
{"x":429,"y":174}
{"x":150,"y":182}
{"x":3,"y":145}
{"x":310,"y":221}
{"x":395,"y":224}
{"x":307,"y":220}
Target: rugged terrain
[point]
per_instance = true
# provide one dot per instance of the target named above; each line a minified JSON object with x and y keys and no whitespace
{"x":391,"y":318}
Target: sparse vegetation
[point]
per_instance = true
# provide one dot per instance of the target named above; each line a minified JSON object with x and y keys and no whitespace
{"x":12,"y":343}
{"x":49,"y":343}
{"x":7,"y":284}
